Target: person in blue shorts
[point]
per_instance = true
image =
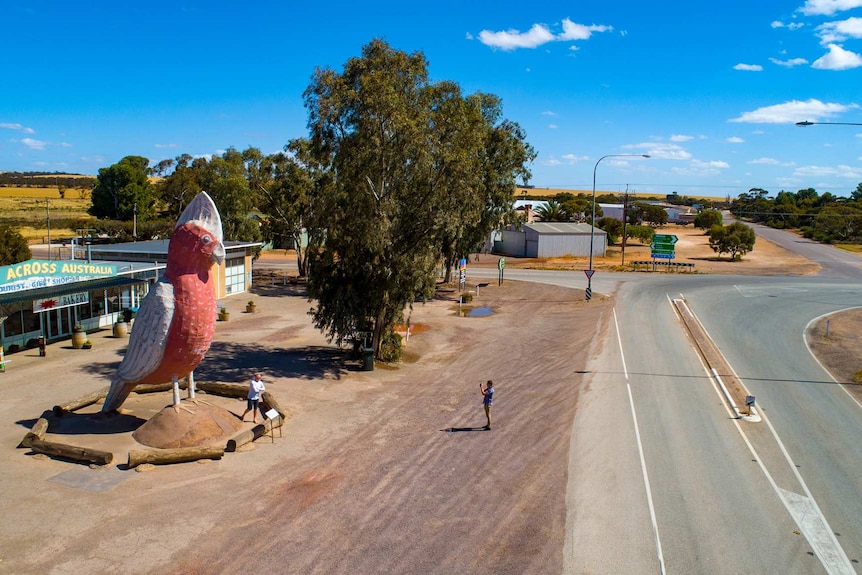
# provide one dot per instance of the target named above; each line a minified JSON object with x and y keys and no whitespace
{"x":255,"y":388}
{"x":487,"y":400}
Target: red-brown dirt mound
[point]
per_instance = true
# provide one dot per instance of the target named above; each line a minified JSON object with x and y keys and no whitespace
{"x":193,"y":424}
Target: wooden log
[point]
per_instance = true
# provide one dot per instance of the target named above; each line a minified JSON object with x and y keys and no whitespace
{"x":157,"y":387}
{"x":228,"y":389}
{"x":90,"y":399}
{"x":72,"y":452}
{"x":269,"y":402}
{"x":38,"y":431}
{"x":175,"y":455}
{"x":250,"y":435}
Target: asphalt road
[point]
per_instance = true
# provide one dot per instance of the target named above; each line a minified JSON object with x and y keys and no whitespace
{"x":674,"y":483}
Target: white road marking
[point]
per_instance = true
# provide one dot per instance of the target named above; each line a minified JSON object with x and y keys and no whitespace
{"x":805,"y":337}
{"x":640,"y":450}
{"x":803,"y":509}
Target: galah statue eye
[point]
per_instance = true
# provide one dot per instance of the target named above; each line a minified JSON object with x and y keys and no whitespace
{"x":205,"y":240}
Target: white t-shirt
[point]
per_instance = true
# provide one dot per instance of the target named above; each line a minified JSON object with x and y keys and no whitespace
{"x":255,"y":386}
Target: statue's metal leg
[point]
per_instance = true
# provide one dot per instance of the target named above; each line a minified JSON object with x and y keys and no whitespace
{"x":176,"y":382}
{"x":191,"y":385}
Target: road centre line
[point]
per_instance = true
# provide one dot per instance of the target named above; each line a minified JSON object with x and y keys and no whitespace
{"x":803,"y":509}
{"x":640,"y":450}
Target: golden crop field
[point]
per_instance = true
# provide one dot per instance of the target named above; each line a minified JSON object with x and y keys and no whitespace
{"x":27,"y":211}
{"x":550,"y":192}
{"x":52,"y":192}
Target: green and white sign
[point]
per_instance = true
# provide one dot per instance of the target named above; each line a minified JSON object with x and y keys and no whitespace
{"x":662,"y":246}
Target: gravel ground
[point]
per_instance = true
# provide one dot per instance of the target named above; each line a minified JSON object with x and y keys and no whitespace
{"x":376,"y":472}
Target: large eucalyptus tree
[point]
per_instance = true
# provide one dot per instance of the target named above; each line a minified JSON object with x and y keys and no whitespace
{"x":410,"y":172}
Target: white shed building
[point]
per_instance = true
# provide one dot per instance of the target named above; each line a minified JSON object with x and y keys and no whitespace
{"x":551,"y":240}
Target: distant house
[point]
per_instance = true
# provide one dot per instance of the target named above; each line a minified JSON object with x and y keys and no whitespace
{"x":550,"y":240}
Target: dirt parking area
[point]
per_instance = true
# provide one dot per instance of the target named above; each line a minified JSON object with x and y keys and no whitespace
{"x":386,"y":471}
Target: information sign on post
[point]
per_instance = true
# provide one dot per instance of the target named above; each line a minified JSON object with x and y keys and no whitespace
{"x":501,"y":264}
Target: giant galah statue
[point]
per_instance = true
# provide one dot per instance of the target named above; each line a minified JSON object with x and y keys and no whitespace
{"x":175,"y":323}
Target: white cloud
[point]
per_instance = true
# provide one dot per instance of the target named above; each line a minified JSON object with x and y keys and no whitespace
{"x":838,"y":59}
{"x":771,"y":162}
{"x":828,"y":7}
{"x":166,"y":145}
{"x":549,"y":113}
{"x":571,"y":158}
{"x":793,"y":111}
{"x":18,"y":127}
{"x":34,"y":144}
{"x":538,"y":35}
{"x":553,"y":162}
{"x":841,"y":30}
{"x":749,"y":67}
{"x":661,"y":151}
{"x":734,"y":140}
{"x":574,"y":31}
{"x":701,"y":168}
{"x":552,"y":126}
{"x":841,"y":171}
{"x":512,"y":39}
{"x":790,"y":26}
{"x":680,"y":138}
{"x":711,"y":164}
{"x":789,"y":63}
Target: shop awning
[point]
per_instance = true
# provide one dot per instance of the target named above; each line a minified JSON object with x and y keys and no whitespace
{"x":54,"y":291}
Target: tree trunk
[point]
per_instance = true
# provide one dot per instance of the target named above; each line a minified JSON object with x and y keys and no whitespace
{"x":250,"y":435}
{"x":227,"y":389}
{"x":90,"y":399}
{"x":72,"y":452}
{"x":176,"y":455}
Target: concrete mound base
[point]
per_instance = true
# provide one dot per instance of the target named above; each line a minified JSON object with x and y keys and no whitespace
{"x":192,"y":424}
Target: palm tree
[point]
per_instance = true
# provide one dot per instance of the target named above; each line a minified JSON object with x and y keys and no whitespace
{"x":552,"y":212}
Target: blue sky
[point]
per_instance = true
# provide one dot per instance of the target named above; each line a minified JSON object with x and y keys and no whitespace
{"x":711,"y":90}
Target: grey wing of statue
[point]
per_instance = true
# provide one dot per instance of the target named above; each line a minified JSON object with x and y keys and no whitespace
{"x":149,"y":334}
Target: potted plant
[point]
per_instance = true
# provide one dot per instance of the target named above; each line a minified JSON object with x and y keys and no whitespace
{"x":223,"y":314}
{"x":79,"y":336}
{"x":250,"y":307}
{"x":87,"y":344}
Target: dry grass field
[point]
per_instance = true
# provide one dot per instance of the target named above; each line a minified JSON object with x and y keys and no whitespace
{"x":27,"y":210}
{"x":520,"y":192}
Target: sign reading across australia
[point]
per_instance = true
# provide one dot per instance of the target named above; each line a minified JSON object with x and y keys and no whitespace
{"x":662,"y":246}
{"x":34,"y":274}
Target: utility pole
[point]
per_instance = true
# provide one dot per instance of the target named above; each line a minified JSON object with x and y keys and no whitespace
{"x":625,"y":221}
{"x":135,"y":222}
{"x":48,"y":218}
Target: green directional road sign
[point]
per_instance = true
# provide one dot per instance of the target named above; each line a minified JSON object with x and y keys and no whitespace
{"x":665,"y":239}
{"x":663,"y":244}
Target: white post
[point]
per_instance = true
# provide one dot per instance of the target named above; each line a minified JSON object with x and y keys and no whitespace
{"x":176,"y":383}
{"x":191,"y":385}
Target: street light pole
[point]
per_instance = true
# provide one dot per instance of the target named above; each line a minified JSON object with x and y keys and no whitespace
{"x":593,"y":219}
{"x":806,"y":123}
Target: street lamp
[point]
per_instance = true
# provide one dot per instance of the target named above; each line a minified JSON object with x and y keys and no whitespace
{"x":807,"y":123}
{"x":593,"y":220}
